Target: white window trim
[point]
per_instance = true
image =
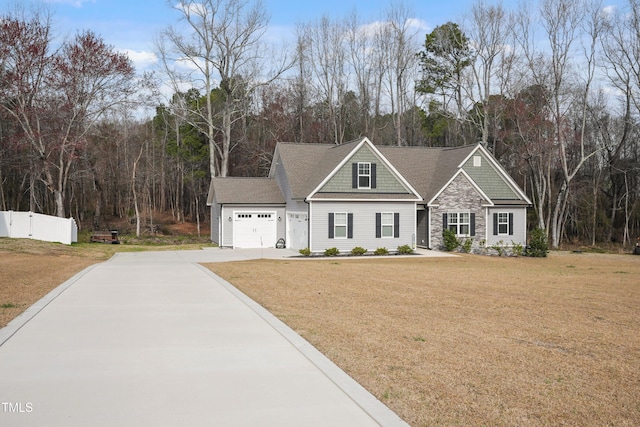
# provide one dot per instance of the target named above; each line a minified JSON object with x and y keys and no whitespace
{"x":506,"y":224}
{"x":368,"y":175}
{"x":336,"y":225}
{"x":383,"y":225}
{"x":458,"y":223}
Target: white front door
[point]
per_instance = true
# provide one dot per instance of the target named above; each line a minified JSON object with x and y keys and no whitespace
{"x":297,"y":230}
{"x":254,"y":230}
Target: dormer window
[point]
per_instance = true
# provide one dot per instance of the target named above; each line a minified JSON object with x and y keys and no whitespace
{"x":364,"y":175}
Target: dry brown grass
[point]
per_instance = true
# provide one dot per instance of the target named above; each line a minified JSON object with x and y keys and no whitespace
{"x":472,"y":340}
{"x":30,"y":269}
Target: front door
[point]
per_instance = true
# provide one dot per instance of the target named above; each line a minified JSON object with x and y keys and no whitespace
{"x":297,"y":230}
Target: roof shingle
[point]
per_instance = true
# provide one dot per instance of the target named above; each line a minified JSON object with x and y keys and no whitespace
{"x":246,"y":190}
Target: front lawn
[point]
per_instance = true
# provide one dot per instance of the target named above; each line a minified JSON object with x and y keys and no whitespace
{"x":471,"y":340}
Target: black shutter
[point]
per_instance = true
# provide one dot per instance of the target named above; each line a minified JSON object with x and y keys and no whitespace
{"x":350,"y":226}
{"x":396,"y":224}
{"x":510,"y":224}
{"x":373,"y":175}
{"x":354,"y":175}
{"x":331,"y":226}
{"x":378,"y":225}
{"x":495,"y":224}
{"x":445,"y":222}
{"x":472,"y":226}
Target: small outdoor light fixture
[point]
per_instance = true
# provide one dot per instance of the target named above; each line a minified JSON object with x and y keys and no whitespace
{"x":229,"y":219}
{"x":279,"y":218}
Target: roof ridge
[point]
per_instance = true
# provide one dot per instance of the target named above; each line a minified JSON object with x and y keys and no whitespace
{"x":243,"y":177}
{"x":460,"y":147}
{"x":307,"y":143}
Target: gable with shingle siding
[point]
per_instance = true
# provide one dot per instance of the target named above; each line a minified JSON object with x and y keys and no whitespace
{"x":385,"y":180}
{"x":482,"y":171}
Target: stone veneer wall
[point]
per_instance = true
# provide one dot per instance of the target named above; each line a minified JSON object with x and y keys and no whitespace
{"x":459,"y":196}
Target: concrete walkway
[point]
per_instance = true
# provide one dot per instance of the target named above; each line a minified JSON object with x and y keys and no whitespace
{"x":154,"y":339}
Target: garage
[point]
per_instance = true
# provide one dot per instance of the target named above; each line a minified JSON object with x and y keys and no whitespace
{"x":255,"y":230}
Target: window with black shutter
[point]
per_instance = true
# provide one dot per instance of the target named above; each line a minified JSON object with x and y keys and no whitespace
{"x":503,"y":224}
{"x":363,"y":175}
{"x":340,"y":225}
{"x":461,"y":223}
{"x":387,"y":224}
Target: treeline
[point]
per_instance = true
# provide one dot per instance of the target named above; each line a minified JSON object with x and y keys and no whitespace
{"x":551,"y":88}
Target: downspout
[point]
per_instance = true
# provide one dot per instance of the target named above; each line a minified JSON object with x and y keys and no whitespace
{"x":220,"y":227}
{"x":308,"y":223}
{"x":486,"y":226}
{"x":414,"y":239}
{"x":430,"y":216}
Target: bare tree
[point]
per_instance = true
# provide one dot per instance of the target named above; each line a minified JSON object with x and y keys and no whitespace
{"x":621,"y":52}
{"x":489,"y":29}
{"x":327,"y":54}
{"x":359,"y":47}
{"x":572,"y":29}
{"x":221,"y":45}
{"x":398,"y":40}
{"x":56,"y":97}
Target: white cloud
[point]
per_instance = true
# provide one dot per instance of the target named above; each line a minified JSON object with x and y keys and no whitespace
{"x":418,"y":24}
{"x":609,"y":10}
{"x":74,"y":3}
{"x":373,"y":28}
{"x":197,"y":9}
{"x":141,"y":59}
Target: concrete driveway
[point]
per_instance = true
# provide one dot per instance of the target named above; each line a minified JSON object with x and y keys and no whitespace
{"x":154,"y":339}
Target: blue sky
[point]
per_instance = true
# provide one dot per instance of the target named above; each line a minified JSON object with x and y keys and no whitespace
{"x":131,"y":25}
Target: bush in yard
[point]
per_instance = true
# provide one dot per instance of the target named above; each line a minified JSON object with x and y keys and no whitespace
{"x":405,"y":250}
{"x":381,"y":251}
{"x":305,"y":252}
{"x":358,"y":251}
{"x":331,"y":252}
{"x":466,"y":246}
{"x":516,"y":248}
{"x":538,"y":245}
{"x":450,"y":240}
{"x":499,"y":247}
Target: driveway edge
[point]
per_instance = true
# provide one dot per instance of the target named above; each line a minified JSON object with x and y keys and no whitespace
{"x":16,"y":324}
{"x":377,"y":410}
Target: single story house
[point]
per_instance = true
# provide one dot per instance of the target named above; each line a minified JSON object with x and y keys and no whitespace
{"x":320,"y":196}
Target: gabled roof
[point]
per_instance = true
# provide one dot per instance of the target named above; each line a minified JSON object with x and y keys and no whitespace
{"x":354,"y":147}
{"x":245,"y":190}
{"x":307,"y":164}
{"x":424,"y":170}
{"x":428,"y":169}
{"x":501,"y":172}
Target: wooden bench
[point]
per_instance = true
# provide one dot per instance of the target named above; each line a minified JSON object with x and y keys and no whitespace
{"x":105,"y":237}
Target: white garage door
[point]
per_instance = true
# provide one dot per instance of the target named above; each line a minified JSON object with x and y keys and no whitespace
{"x":254,"y":230}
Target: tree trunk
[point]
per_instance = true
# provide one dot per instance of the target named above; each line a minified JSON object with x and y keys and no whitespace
{"x":226,"y":141}
{"x":134,"y":191}
{"x":557,"y":216}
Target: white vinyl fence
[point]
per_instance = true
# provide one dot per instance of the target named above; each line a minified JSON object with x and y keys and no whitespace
{"x":29,"y":225}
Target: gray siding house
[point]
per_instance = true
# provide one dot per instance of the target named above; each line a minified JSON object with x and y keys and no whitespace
{"x":321,"y":196}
